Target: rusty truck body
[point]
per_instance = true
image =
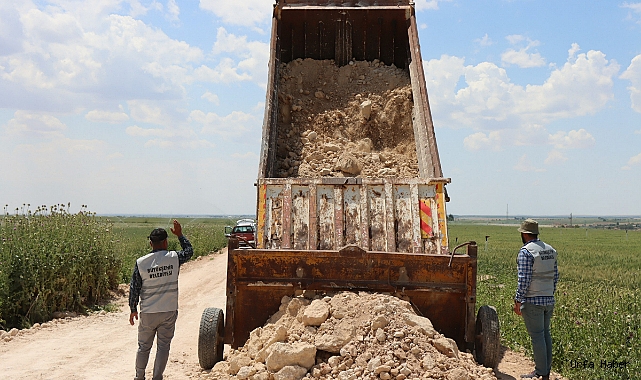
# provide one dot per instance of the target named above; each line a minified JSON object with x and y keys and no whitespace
{"x":331,"y":234}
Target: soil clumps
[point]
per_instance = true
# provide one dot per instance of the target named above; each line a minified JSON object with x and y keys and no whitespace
{"x":349,"y":121}
{"x":348,"y":336}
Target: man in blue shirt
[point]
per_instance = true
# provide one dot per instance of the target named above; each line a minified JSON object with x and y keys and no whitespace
{"x":534,"y":300}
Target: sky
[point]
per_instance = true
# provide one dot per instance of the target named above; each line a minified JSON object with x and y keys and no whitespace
{"x":156,"y":107}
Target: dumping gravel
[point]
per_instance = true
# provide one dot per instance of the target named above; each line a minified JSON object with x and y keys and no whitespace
{"x":348,"y":336}
{"x":349,"y":121}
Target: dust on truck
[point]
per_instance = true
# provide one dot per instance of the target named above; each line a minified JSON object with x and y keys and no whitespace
{"x":354,"y":226}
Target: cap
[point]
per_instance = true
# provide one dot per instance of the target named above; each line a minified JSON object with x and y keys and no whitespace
{"x":529,"y":226}
{"x":158,"y":235}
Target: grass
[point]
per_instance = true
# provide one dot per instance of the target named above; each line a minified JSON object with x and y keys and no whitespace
{"x":205,"y":234}
{"x":597,"y":316}
{"x":52,"y":260}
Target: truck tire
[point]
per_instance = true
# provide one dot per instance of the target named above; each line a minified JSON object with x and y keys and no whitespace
{"x":487,"y":344}
{"x":210,"y":338}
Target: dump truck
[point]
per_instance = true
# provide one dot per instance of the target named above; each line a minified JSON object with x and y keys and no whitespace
{"x":344,"y":203}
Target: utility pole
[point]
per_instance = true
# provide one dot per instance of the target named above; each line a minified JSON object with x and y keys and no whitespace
{"x":571,"y":224}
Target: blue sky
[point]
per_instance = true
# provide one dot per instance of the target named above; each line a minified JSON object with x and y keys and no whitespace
{"x":156,"y":107}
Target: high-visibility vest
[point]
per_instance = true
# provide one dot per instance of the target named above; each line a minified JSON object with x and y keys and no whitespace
{"x":159,"y":272}
{"x":542,"y":270}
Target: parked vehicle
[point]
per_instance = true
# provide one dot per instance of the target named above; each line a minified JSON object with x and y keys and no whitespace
{"x":244,"y":231}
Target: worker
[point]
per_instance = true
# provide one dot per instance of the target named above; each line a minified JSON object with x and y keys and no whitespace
{"x":155,"y":283}
{"x":537,"y":277}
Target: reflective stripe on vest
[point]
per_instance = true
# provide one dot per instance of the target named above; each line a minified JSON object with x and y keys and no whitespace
{"x":159,"y":272}
{"x":542,"y":270}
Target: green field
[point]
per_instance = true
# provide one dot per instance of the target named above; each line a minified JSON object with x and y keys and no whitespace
{"x":52,"y":260}
{"x":205,"y":234}
{"x":597,"y":316}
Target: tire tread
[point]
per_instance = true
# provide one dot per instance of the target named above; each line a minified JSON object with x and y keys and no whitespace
{"x":210,"y":342}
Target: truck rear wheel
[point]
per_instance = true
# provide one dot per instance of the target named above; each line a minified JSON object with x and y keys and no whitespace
{"x":210,"y":337}
{"x":487,"y":344}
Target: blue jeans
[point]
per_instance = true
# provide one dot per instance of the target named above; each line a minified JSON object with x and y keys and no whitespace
{"x":537,"y":322}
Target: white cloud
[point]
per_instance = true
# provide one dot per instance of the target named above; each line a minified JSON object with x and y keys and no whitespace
{"x":524,"y":165}
{"x":173,"y":11}
{"x":575,"y":48}
{"x":635,"y":7}
{"x":184,"y":144}
{"x":136,"y":8}
{"x":210,"y":97}
{"x":490,"y":102}
{"x":633,"y":161}
{"x":515,"y":38}
{"x":52,"y":165}
{"x":527,"y":134}
{"x":482,"y":141}
{"x":638,"y":132}
{"x":169,"y":138}
{"x":522,"y":57}
{"x":98,"y":116}
{"x":38,"y":125}
{"x":580,"y":139}
{"x":252,"y":56}
{"x":633,"y":74}
{"x":225,"y":72}
{"x":68,"y":56}
{"x":246,"y":155}
{"x":555,"y":157}
{"x":240,"y":12}
{"x":233,"y":124}
{"x":152,"y":112}
{"x":484,"y":41}
{"x":136,"y":131}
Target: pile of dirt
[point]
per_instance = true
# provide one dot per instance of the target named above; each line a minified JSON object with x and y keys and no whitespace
{"x":349,"y":121}
{"x":348,"y":336}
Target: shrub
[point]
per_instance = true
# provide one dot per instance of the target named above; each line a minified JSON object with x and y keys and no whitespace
{"x":51,"y":260}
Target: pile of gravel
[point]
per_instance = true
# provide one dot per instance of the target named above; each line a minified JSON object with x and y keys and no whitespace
{"x":348,"y":336}
{"x":349,"y":121}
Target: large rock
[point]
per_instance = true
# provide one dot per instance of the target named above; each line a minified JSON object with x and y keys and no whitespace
{"x":349,"y":374}
{"x":246,"y":372}
{"x":379,"y":322}
{"x":365,"y":145}
{"x":316,"y":313}
{"x":331,"y":147}
{"x":269,"y":335}
{"x":348,"y":163}
{"x":374,"y":363}
{"x":366,"y":109}
{"x":422,"y":324}
{"x":285,"y":354}
{"x":237,"y":362}
{"x":291,"y":372}
{"x":294,"y":306}
{"x":447,"y":347}
{"x":458,"y":374}
{"x":334,"y":341}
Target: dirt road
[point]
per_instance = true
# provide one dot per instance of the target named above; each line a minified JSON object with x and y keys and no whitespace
{"x":104,"y":346}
